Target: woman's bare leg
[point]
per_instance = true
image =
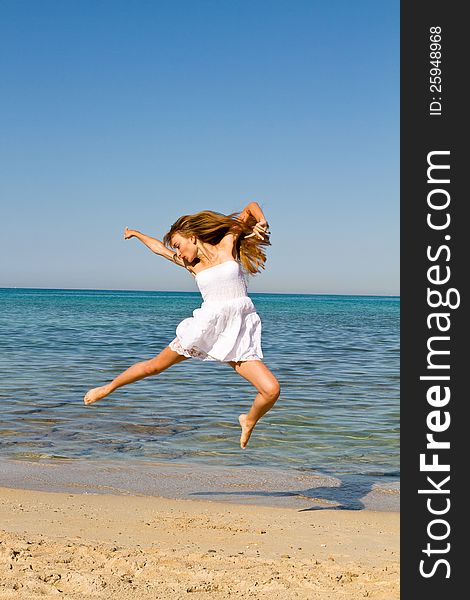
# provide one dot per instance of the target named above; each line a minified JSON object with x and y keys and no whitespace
{"x":258,"y":374}
{"x":146,"y":368}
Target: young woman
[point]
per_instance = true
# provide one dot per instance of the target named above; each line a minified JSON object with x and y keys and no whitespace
{"x":217,"y":250}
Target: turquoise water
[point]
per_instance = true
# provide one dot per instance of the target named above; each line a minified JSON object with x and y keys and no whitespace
{"x":336,"y":357}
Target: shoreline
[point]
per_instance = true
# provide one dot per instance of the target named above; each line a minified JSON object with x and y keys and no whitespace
{"x":247,"y":485}
{"x":110,"y":546}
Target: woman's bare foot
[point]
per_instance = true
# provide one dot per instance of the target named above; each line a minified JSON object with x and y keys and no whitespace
{"x":246,"y":431}
{"x":96,"y":394}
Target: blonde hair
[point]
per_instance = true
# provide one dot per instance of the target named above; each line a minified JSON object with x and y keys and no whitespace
{"x":210,"y":227}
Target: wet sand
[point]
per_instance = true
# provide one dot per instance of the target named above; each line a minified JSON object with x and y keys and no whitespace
{"x":107,"y":546}
{"x":242,"y":485}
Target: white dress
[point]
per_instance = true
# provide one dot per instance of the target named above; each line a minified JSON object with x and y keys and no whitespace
{"x":226,"y":327}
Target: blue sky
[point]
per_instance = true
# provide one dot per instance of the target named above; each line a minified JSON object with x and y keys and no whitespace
{"x":133,"y":113}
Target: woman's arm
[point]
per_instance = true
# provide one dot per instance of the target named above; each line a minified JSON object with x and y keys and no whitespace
{"x":154,"y":245}
{"x":254,"y":209}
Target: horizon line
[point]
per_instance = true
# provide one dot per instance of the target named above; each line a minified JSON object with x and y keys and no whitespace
{"x":196,"y":292}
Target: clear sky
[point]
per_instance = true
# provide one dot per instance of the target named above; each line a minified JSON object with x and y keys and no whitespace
{"x":134,"y":112}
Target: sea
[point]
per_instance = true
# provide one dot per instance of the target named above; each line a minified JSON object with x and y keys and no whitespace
{"x":331,"y":440}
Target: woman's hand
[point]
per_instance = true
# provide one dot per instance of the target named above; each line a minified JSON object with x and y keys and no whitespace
{"x":260,"y":230}
{"x":129,"y":233}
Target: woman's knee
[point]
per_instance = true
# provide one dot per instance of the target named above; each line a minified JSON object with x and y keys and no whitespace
{"x":272,"y":390}
{"x":162,"y":361}
{"x":152,"y":367}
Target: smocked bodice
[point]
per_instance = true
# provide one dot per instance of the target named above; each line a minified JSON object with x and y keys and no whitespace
{"x":222,"y":282}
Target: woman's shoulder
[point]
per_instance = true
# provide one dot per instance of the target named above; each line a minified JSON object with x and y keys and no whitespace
{"x":228,"y":244}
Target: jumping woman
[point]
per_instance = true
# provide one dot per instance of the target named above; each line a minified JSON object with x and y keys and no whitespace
{"x":218,"y":251}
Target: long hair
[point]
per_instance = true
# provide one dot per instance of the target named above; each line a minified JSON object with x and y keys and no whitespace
{"x":210,"y":227}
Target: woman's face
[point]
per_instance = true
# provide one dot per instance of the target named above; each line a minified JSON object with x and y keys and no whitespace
{"x":185,"y":247}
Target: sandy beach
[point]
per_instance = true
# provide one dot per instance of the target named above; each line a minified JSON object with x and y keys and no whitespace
{"x":108,"y":546}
